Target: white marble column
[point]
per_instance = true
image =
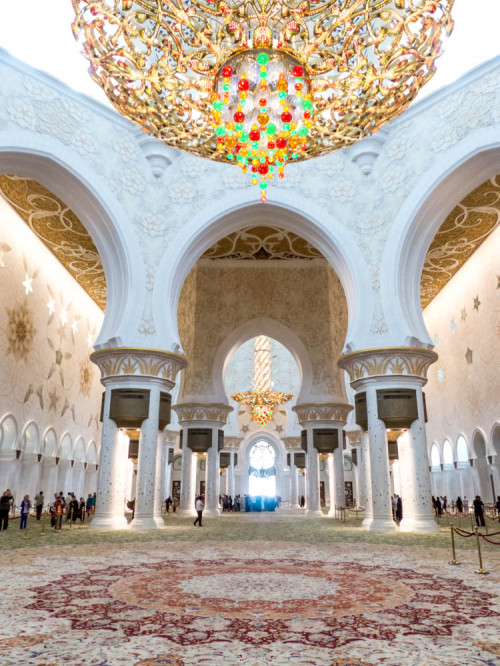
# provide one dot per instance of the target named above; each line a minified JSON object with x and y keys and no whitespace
{"x":188,"y":480}
{"x":331,"y":485}
{"x":312,"y":479}
{"x":145,"y":517}
{"x":111,"y":475}
{"x":379,"y":467}
{"x":48,"y":479}
{"x":366,"y":480}
{"x":418,"y":514}
{"x":167,"y":487}
{"x":30,"y":474}
{"x":212,"y":489}
{"x":294,"y":483}
{"x":338,"y":464}
{"x":78,"y":478}
{"x":230,"y":476}
{"x":64,"y":476}
{"x":161,"y":464}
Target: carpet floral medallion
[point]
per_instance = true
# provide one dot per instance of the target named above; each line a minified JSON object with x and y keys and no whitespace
{"x":251,"y":604}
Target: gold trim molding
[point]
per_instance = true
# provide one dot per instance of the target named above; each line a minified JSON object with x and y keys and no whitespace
{"x":232,"y":443}
{"x":388,"y":361}
{"x":134,"y":361}
{"x":355,"y":437}
{"x":198,"y":411}
{"x":322,"y":411}
{"x":171,"y":437}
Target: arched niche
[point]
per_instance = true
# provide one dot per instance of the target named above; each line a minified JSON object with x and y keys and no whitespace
{"x":79,"y":450}
{"x":92,"y":453}
{"x":66,"y":447}
{"x":495,"y":438}
{"x":452,"y":176}
{"x":288,"y":211}
{"x":31,"y":439}
{"x":57,"y":168}
{"x":463,"y":455}
{"x":50,"y":443}
{"x":479,"y":444}
{"x":448,"y":456}
{"x":435,"y":456}
{"x":8,"y":433}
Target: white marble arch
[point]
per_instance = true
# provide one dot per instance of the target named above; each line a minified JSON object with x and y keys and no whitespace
{"x":282,"y":471}
{"x":10,"y":465}
{"x":495,"y":439}
{"x":31,"y":447}
{"x":273,"y":329}
{"x":452,"y":176}
{"x":287,"y":210}
{"x":65,"y":173}
{"x":65,"y":469}
{"x":49,"y":472}
{"x":79,"y":459}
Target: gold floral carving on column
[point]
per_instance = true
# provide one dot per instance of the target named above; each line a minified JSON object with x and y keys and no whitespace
{"x":393,"y":361}
{"x":292,"y":443}
{"x":139,"y":362}
{"x":232,"y":443}
{"x":200,"y":411}
{"x":355,"y":437}
{"x":322,"y":411}
{"x":171,"y":437}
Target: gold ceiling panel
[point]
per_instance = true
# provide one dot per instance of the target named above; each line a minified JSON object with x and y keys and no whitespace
{"x":60,"y":230}
{"x":262,"y":243}
{"x":463,"y":231}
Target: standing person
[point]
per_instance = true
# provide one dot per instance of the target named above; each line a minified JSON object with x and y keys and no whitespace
{"x":479,"y":511}
{"x":39,"y":502}
{"x":199,"y":506}
{"x":58,"y":512}
{"x":88,"y":505}
{"x":5,"y":502}
{"x":25,"y":509}
{"x":81,"y":510}
{"x":498,"y":507}
{"x":399,"y":509}
{"x":73,"y":508}
{"x":460,"y":505}
{"x":438,"y":506}
{"x":94,"y":497}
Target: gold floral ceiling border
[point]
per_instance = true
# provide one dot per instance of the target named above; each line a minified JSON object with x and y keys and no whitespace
{"x":464,"y":229}
{"x":262,"y":243}
{"x":60,"y":230}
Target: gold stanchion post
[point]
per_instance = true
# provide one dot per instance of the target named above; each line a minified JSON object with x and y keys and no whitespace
{"x":480,"y":570}
{"x":471,"y":523}
{"x":454,"y":560}
{"x":70,"y":517}
{"x":42,"y":533}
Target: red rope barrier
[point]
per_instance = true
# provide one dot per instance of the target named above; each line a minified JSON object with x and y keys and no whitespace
{"x":494,"y":543}
{"x":463,"y":533}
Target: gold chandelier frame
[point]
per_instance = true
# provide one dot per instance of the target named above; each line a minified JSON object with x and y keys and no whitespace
{"x":158,"y":60}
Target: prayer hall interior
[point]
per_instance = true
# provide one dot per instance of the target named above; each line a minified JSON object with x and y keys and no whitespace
{"x":248,"y":424}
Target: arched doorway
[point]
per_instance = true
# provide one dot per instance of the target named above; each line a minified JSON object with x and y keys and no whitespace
{"x":262,"y":470}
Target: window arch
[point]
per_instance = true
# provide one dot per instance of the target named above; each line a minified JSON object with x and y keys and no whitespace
{"x":435,"y":457}
{"x":448,"y":458}
{"x":462,"y":450}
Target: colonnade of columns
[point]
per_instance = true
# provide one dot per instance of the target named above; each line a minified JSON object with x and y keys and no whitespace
{"x":137,"y":396}
{"x":389,"y":400}
{"x":202,"y":435}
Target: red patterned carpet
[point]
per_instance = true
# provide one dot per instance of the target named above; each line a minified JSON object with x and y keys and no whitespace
{"x":253,"y":604}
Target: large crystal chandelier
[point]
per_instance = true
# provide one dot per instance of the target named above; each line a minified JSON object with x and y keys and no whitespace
{"x":261,"y":83}
{"x":263,"y":398}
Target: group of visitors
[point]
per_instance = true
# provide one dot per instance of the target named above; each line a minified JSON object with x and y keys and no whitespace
{"x":169,"y":502}
{"x":440,"y":505}
{"x":70,"y":507}
{"x":397,"y":508}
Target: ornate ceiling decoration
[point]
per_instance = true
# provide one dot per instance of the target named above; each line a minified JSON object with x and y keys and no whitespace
{"x":463,"y":231}
{"x":262,"y":243}
{"x":60,"y":230}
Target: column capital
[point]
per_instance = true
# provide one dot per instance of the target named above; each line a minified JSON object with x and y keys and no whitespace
{"x":189,"y":412}
{"x":406,"y":362}
{"x":322,"y":411}
{"x":354,"y":435}
{"x":143,"y":363}
{"x":170,"y":437}
{"x":232,"y":443}
{"x":292,"y":443}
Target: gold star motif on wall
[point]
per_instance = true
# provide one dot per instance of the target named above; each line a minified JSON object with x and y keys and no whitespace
{"x":53,"y":400}
{"x":498,"y":281}
{"x":463,"y":316}
{"x":468,"y":355}
{"x":477,"y":303}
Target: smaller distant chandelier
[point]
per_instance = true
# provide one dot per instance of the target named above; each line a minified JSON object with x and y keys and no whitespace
{"x":261,"y":83}
{"x":263,"y":398}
